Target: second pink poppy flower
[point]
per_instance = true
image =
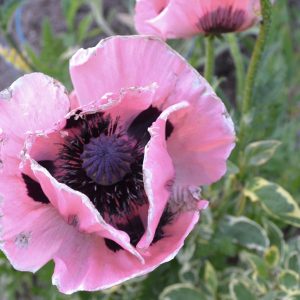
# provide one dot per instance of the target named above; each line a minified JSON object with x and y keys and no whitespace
{"x":182,"y":18}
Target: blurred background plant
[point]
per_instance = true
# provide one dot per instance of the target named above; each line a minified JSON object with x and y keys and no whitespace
{"x":247,"y":245}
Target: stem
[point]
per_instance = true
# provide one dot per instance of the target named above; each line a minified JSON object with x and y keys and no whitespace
{"x":239,"y":65}
{"x":241,"y":204}
{"x":210,"y":57}
{"x":254,"y":65}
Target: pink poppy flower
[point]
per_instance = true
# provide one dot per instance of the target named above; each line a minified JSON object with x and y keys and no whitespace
{"x":182,"y":18}
{"x":105,"y":181}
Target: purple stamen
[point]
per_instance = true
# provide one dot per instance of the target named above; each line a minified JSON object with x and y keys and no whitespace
{"x":107,"y":159}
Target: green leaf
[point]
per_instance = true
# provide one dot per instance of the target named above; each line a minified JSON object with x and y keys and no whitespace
{"x":181,"y":291}
{"x":293,"y":261}
{"x":275,"y":200}
{"x":83,"y":28}
{"x":7,"y":10}
{"x":232,"y":169}
{"x":156,"y":281}
{"x":51,"y":60}
{"x":245,"y":232}
{"x":293,"y":296}
{"x":210,"y":276}
{"x":289,"y":280}
{"x":275,"y":236}
{"x":189,"y":272}
{"x":271,"y":295}
{"x":272,"y":256}
{"x":70,"y":8}
{"x":241,"y":291}
{"x":257,"y":263}
{"x":258,"y":153}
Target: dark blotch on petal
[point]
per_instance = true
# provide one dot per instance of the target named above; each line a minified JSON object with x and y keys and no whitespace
{"x":222,"y":20}
{"x":165,"y":219}
{"x":135,"y":229}
{"x":139,"y":126}
{"x":112,"y":245}
{"x":48,"y":164}
{"x":34,"y":190}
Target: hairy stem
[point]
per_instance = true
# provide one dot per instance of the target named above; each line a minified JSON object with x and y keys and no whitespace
{"x":254,"y":65}
{"x":245,"y":121}
{"x":239,"y":65}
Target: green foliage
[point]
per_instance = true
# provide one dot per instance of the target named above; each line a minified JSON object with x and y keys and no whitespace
{"x":276,"y":201}
{"x":240,"y":290}
{"x":50,"y":60}
{"x":7,"y":9}
{"x":180,"y":291}
{"x":245,"y":232}
{"x":246,"y":245}
{"x":258,"y":153}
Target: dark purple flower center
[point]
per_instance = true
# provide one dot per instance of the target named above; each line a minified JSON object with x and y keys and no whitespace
{"x":105,"y":162}
{"x":222,"y":20}
{"x":107,"y":159}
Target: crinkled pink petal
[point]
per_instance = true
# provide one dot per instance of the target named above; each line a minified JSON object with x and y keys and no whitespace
{"x":201,"y":142}
{"x":8,"y":163}
{"x":77,"y":209}
{"x":158,"y":172}
{"x":176,"y":20}
{"x":124,"y":105}
{"x":87,"y":264}
{"x":135,"y":61}
{"x":31,"y":102}
{"x":203,"y":135}
{"x":45,"y":146}
{"x":74,"y":103}
{"x":160,"y":64}
{"x":27,"y":106}
{"x":30,"y":232}
{"x":147,"y":10}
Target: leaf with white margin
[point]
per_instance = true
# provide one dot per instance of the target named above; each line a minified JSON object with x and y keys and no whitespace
{"x":181,"y":291}
{"x":258,"y":153}
{"x":272,"y":256}
{"x":289,"y":280}
{"x":274,"y":199}
{"x":257,"y":264}
{"x":293,"y":296}
{"x":210,"y":276}
{"x":292,"y":261}
{"x":240,"y":290}
{"x":275,"y":236}
{"x":245,"y":232}
{"x":271,"y":295}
